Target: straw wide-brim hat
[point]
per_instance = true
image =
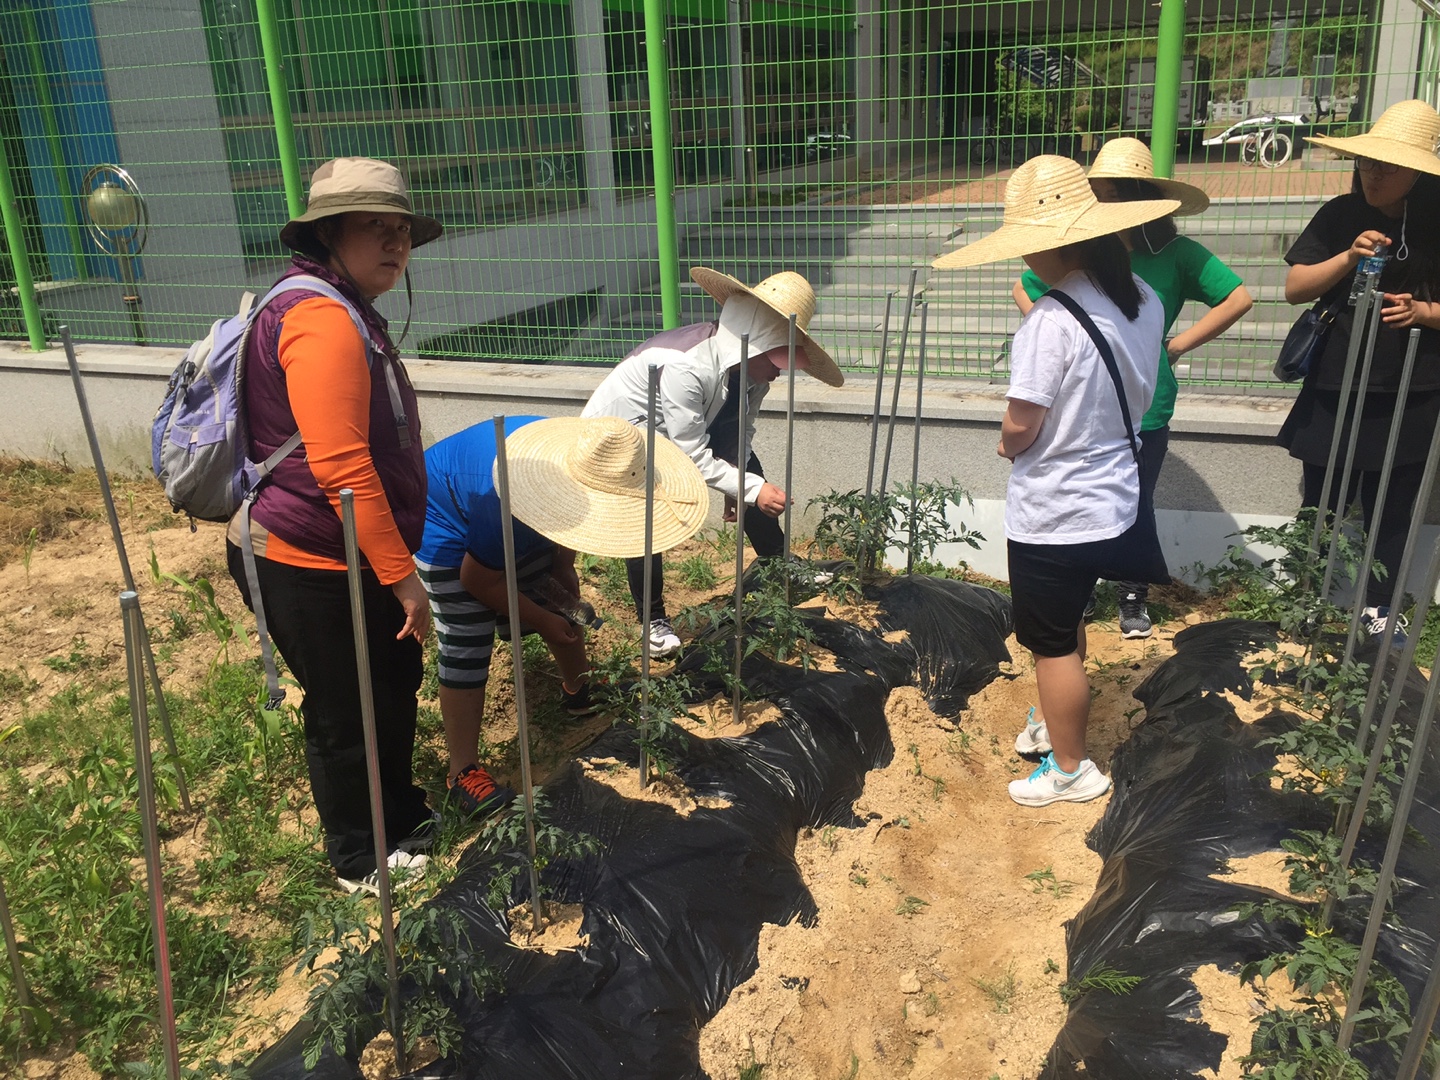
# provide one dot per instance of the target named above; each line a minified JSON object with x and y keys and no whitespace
{"x":1407,"y":134}
{"x":359,"y":185}
{"x":1130,"y":159}
{"x":581,"y":483}
{"x":1049,"y":204}
{"x":786,"y":293}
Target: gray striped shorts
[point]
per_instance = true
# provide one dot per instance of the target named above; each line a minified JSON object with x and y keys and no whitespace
{"x":465,"y":627}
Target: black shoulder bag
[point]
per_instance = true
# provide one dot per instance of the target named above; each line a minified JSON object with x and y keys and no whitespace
{"x":1136,"y":554}
{"x":1305,"y":342}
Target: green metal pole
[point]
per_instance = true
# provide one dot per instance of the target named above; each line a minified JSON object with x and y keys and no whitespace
{"x":53,"y":141}
{"x":656,"y":59}
{"x":280,"y":106}
{"x":1165,"y":118}
{"x":19,"y":255}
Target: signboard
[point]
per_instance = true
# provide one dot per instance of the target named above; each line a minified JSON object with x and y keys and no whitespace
{"x":1140,"y":92}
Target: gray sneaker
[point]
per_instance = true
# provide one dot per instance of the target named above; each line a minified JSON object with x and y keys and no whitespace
{"x":664,"y":642}
{"x":1134,"y":618}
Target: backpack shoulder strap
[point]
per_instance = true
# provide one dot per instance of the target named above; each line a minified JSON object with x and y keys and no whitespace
{"x":1106,"y":354}
{"x":310,"y":283}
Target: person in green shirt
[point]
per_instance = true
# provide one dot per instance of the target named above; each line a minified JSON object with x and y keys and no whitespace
{"x":1178,"y":269}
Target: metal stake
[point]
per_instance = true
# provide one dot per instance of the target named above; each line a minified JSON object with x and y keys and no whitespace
{"x":522,"y":716}
{"x":1354,"y":440}
{"x":1421,"y":1024}
{"x":915,"y":449}
{"x":1356,"y":813}
{"x":12,"y":947}
{"x":879,"y":386}
{"x":648,"y":593}
{"x":899,"y":371}
{"x":372,"y":770}
{"x":742,"y":460}
{"x":789,"y":450}
{"x":1412,"y":540}
{"x":160,"y":707}
{"x":1403,"y":803}
{"x":1381,"y":496}
{"x":149,"y":825}
{"x":1347,"y":380}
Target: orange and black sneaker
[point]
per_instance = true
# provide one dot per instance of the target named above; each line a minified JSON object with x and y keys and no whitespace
{"x":474,"y":793}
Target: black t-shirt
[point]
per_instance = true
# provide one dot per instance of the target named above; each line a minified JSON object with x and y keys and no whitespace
{"x":1332,"y":230}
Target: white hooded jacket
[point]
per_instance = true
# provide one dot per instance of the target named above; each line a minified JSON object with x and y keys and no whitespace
{"x":695,"y":363}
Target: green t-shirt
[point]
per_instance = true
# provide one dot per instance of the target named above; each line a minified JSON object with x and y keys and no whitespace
{"x":1182,"y":270}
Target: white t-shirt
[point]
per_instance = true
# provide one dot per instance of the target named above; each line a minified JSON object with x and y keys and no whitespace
{"x":1078,"y":482}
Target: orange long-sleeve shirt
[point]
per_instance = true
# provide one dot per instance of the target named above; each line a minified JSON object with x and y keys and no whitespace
{"x":328,"y":384}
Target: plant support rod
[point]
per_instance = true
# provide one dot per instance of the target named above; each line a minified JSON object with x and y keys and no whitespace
{"x":517,"y":639}
{"x":647,"y":596}
{"x":150,"y":827}
{"x":372,"y":771}
{"x":742,"y":461}
{"x":166,"y":729}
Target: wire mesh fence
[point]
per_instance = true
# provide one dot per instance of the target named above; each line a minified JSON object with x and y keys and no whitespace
{"x":850,"y":141}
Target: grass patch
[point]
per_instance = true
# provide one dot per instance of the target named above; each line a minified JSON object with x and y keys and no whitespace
{"x":39,"y":500}
{"x":71,"y":832}
{"x":1000,"y":990}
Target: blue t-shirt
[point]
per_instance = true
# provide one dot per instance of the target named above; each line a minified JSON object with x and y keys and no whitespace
{"x":462,"y":512}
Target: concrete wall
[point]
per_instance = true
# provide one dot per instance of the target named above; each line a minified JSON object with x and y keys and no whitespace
{"x":1223,"y":473}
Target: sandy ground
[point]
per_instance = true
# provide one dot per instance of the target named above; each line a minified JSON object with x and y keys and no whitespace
{"x":935,"y":955}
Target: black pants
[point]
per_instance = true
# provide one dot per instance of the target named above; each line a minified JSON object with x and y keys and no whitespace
{"x":309,"y":616}
{"x":1394,"y":522}
{"x":763,"y":531}
{"x":1153,"y":445}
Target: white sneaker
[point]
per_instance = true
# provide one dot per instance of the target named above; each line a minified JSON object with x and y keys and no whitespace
{"x":405,"y":870}
{"x":1049,"y":784}
{"x":1035,"y":739}
{"x":663,"y":639}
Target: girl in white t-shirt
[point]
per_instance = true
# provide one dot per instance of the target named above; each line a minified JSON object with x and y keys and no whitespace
{"x":1073,"y":510}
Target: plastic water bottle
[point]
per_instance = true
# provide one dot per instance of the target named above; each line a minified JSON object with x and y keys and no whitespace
{"x":568,"y":604}
{"x":1369,"y":269}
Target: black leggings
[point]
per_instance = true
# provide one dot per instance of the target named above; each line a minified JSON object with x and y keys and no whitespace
{"x":1393,"y":524}
{"x":309,"y":616}
{"x":762,"y":530}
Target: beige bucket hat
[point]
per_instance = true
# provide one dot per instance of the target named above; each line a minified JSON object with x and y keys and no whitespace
{"x":1407,"y":134}
{"x":1130,"y":159}
{"x":1048,"y":204}
{"x":785,"y":293}
{"x":343,"y":185}
{"x":581,"y":483}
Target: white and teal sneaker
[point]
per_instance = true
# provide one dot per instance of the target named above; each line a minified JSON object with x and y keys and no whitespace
{"x":1051,"y":784}
{"x":1035,"y":739}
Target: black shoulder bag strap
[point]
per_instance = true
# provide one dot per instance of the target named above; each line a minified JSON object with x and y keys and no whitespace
{"x":1107,"y":355}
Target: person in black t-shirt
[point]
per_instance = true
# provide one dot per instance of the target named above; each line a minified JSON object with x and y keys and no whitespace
{"x":1393,"y":196}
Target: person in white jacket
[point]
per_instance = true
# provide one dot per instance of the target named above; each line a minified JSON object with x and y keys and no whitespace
{"x":698,"y":406}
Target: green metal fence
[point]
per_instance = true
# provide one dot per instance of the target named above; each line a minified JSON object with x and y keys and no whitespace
{"x":848,"y":139}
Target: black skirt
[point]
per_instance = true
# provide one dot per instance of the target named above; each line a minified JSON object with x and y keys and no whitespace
{"x":1308,"y":429}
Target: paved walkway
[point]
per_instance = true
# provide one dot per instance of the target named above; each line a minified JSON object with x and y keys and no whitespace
{"x":955,"y":184}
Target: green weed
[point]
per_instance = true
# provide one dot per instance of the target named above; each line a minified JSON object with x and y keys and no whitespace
{"x":1044,"y":880}
{"x":911,"y":905}
{"x":1000,"y":990}
{"x":1100,"y":977}
{"x":697,"y":572}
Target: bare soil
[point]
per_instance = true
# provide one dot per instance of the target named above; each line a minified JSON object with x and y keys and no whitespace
{"x":934,"y":954}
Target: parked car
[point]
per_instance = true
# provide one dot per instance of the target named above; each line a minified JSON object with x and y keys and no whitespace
{"x":1262,"y":140}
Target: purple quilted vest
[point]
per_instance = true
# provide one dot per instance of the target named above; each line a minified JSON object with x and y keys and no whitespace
{"x":291,"y":505}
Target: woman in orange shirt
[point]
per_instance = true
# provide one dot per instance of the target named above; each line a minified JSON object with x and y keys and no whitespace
{"x":309,"y":369}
